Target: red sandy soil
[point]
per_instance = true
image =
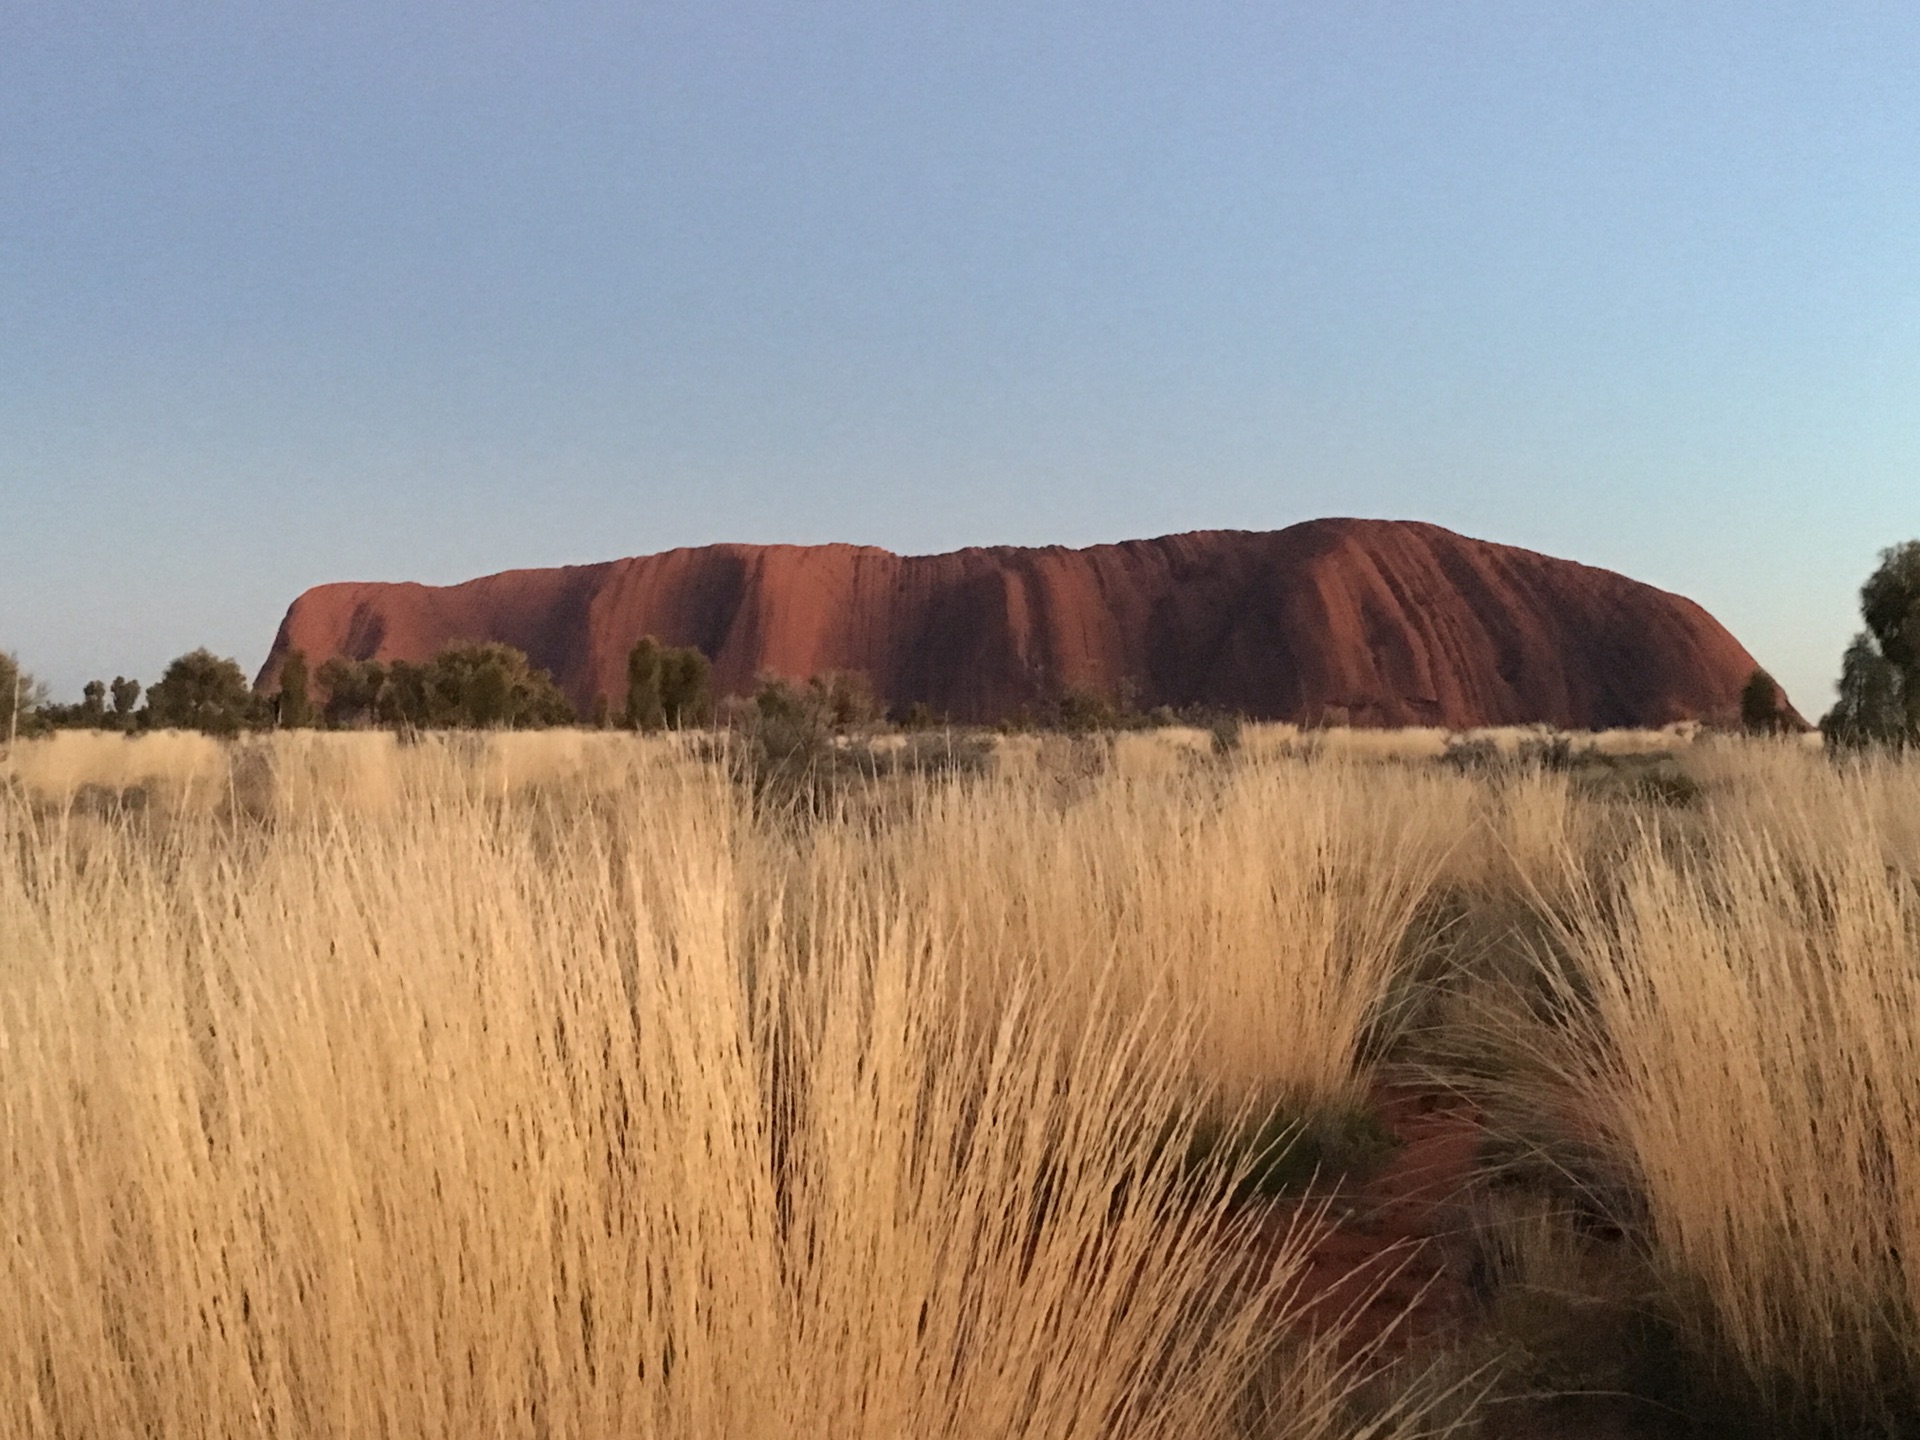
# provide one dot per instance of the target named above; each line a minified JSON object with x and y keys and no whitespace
{"x":1379,"y":1262}
{"x":1386,"y":1266}
{"x":1367,"y":622}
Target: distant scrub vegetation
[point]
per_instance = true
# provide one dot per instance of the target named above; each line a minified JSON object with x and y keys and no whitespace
{"x":487,"y":687}
{"x":495,"y":686}
{"x":668,"y":688}
{"x":474,"y":686}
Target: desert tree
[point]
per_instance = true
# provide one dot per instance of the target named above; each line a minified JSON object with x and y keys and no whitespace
{"x":1879,"y":699}
{"x":1869,"y":708}
{"x":126,"y":695}
{"x":1890,"y":605}
{"x":294,"y":708}
{"x":202,"y":691}
{"x":645,"y":708}
{"x":352,"y":689}
{"x":490,"y":686}
{"x":89,"y":714}
{"x":1763,"y":709}
{"x":485,"y":686}
{"x":406,"y":702}
{"x":686,"y":687}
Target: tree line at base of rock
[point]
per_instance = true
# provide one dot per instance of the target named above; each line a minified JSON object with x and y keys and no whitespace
{"x":199,"y":691}
{"x":471,"y":686}
{"x":494,"y":686}
{"x":480,"y":686}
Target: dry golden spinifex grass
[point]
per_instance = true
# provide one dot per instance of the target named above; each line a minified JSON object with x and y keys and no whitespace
{"x":542,"y":1086}
{"x":607,"y":1110}
{"x":1750,"y":1056}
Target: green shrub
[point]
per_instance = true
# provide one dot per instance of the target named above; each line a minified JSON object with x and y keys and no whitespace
{"x":295,"y":710}
{"x":789,"y":725}
{"x":918,"y":716}
{"x":477,"y":686}
{"x":1081,"y":712}
{"x":1763,"y":708}
{"x":668,"y":687}
{"x":352,"y":688}
{"x":643,"y":709}
{"x":845,"y":698}
{"x":485,"y":687}
{"x":126,"y":695}
{"x":686,"y":688}
{"x":203,"y":691}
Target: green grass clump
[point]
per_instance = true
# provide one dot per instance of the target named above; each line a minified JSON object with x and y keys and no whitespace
{"x":1282,"y":1151}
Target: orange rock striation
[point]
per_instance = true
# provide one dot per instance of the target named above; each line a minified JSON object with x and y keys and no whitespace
{"x":1370,"y":622}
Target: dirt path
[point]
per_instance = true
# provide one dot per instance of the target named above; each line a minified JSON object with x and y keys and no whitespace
{"x":1391,"y":1261}
{"x":1379,"y":1261}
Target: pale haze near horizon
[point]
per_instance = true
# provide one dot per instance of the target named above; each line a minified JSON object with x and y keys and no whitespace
{"x":428,"y":291}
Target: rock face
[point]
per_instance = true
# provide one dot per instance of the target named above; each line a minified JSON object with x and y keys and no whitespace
{"x":1370,"y":622}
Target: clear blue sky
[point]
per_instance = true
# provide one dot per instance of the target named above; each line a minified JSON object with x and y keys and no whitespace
{"x":421,"y":291}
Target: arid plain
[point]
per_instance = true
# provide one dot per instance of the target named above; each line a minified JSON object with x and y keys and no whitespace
{"x":1152,"y":1085}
